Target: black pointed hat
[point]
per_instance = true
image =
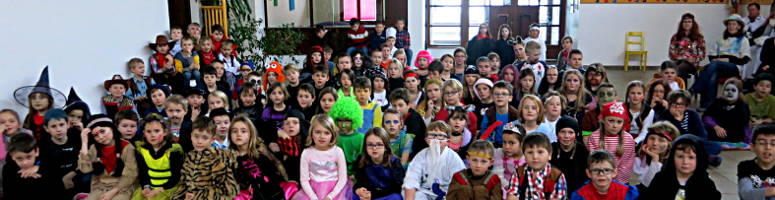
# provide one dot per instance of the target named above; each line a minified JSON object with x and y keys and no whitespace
{"x":22,"y":94}
{"x":75,"y":103}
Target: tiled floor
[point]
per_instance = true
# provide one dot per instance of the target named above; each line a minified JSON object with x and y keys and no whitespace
{"x":725,"y":175}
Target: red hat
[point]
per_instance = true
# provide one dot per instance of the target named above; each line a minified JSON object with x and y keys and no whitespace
{"x":616,"y":109}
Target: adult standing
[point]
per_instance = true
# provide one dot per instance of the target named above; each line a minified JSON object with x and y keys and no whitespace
{"x":502,"y":46}
{"x":687,"y":46}
{"x":755,"y":26}
{"x":726,"y":55}
{"x":480,"y":45}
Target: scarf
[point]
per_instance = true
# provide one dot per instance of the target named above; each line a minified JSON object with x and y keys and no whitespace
{"x":160,"y":59}
{"x":207,"y":57}
{"x":481,"y":37}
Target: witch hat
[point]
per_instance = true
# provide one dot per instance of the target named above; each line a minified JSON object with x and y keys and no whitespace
{"x":75,"y":103}
{"x":22,"y":94}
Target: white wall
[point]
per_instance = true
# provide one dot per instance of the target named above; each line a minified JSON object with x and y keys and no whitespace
{"x":280,"y":14}
{"x":601,"y":28}
{"x":83,"y":42}
{"x":416,"y":24}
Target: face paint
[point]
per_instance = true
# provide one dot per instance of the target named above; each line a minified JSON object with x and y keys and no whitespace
{"x":730,"y":92}
{"x":605,"y":96}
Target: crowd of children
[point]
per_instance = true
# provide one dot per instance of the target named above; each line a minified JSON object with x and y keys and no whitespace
{"x":372,"y":124}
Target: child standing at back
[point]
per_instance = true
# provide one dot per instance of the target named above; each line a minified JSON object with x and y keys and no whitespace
{"x":348,"y":117}
{"x":208,"y":172}
{"x":477,"y":182}
{"x":323,"y":165}
{"x":425,"y":177}
{"x":601,"y":170}
{"x":612,"y":138}
{"x":372,"y":112}
{"x":538,"y":179}
{"x":159,"y":161}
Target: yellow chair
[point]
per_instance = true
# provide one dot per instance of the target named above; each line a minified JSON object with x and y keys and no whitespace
{"x":640,"y":50}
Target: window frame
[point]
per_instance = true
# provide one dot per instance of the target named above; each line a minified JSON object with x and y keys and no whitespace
{"x":465,"y":18}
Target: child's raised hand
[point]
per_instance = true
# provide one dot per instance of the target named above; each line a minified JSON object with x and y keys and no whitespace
{"x":361,"y":192}
{"x":3,"y":129}
{"x":282,"y":134}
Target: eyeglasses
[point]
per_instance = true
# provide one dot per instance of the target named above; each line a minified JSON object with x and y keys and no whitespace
{"x":375,"y":145}
{"x":395,"y":121}
{"x":603,"y":171}
{"x":438,"y":136}
{"x":764,"y":143}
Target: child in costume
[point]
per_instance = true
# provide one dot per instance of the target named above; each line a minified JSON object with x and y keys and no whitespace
{"x":568,"y":153}
{"x":272,"y":74}
{"x":77,"y":110}
{"x":613,"y":138}
{"x":372,"y":112}
{"x":425,"y":178}
{"x":272,"y":116}
{"x":110,"y":160}
{"x":290,"y":142}
{"x":39,"y":99}
{"x":477,"y":182}
{"x":323,"y":167}
{"x":348,"y":116}
{"x":683,"y":177}
{"x":727,"y":119}
{"x":601,"y":169}
{"x":259,"y":174}
{"x":159,"y":161}
{"x":116,"y":100}
{"x":162,"y":62}
{"x":208,"y":172}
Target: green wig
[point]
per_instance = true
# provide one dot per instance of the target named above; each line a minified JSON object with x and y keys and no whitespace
{"x":347,"y":108}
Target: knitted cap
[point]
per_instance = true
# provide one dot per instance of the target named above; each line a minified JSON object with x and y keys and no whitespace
{"x":567,"y":122}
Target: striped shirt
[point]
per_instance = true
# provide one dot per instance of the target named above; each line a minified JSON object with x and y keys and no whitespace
{"x":623,"y":162}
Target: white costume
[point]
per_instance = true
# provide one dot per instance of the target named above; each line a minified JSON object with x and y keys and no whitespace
{"x":426,"y":169}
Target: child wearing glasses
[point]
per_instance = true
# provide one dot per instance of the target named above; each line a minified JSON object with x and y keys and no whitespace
{"x":756,"y":177}
{"x":378,"y":172}
{"x":400,"y":140}
{"x":499,"y":114}
{"x":431,"y":170}
{"x":601,"y":169}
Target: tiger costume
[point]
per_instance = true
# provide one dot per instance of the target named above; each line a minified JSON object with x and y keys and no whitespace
{"x":208,"y":174}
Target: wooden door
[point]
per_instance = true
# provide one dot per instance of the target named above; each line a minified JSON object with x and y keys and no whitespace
{"x":518,"y":18}
{"x":180,"y":13}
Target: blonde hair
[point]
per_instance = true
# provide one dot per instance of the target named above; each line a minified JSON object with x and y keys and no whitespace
{"x":539,"y":104}
{"x":580,"y":93}
{"x":177,"y":99}
{"x":482,"y":147}
{"x":327,"y":123}
{"x":452,"y":83}
{"x":219,"y":94}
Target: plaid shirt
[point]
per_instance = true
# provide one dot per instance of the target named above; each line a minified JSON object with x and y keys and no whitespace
{"x":535,"y":184}
{"x":403,"y":40}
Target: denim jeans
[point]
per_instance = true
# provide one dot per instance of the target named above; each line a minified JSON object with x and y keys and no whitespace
{"x":706,"y":82}
{"x":363,"y":50}
{"x":191,"y":73}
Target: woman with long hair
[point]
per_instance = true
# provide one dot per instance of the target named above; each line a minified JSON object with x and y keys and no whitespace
{"x":502,"y":46}
{"x":479,"y":45}
{"x":687,"y":46}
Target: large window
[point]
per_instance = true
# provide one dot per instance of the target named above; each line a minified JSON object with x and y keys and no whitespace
{"x":548,"y":19}
{"x":453,"y":22}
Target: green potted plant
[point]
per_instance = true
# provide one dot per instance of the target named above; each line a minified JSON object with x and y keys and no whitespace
{"x":245,"y":28}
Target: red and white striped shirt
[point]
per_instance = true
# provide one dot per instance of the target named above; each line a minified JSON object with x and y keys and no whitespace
{"x":623,"y":162}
